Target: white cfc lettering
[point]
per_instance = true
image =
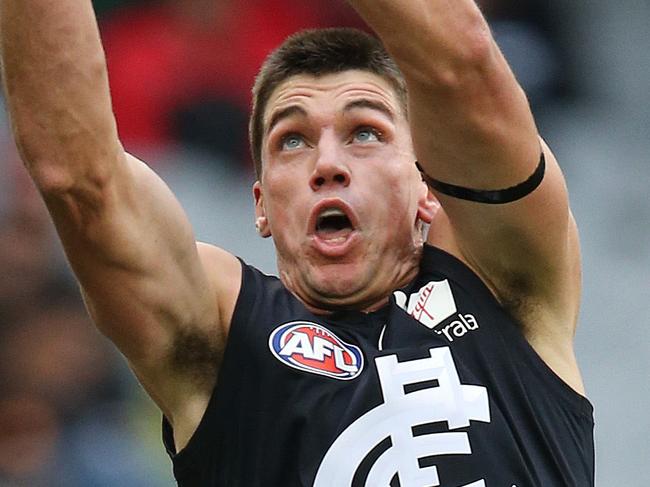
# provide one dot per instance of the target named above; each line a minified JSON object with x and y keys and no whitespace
{"x":449,"y":401}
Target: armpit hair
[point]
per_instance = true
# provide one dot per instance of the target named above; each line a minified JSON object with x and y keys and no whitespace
{"x":520,"y":306}
{"x":198,"y":355}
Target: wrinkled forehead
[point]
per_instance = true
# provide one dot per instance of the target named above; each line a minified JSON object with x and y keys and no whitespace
{"x":332,"y":92}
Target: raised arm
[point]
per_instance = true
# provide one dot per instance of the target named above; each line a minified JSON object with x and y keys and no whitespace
{"x":472,"y":127}
{"x":146,"y":283}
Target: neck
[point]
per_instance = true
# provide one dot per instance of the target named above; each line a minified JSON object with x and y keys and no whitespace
{"x":369,"y":292}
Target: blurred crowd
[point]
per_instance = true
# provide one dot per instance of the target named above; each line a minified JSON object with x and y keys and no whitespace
{"x":181,"y":73}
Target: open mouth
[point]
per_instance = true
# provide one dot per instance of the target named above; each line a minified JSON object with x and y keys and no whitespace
{"x":333,"y":225}
{"x":333,"y":222}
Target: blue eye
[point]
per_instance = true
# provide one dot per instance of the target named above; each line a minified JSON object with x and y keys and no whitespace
{"x":366,"y":135}
{"x":292,"y":142}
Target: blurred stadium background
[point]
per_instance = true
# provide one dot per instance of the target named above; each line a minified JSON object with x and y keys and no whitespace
{"x":70,"y":412}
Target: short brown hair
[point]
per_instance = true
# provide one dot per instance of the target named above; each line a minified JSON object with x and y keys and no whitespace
{"x":318,"y":52}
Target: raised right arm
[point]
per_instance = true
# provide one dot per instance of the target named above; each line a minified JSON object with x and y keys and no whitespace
{"x":146,"y":283}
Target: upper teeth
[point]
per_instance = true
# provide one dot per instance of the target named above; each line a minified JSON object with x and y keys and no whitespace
{"x":331,"y":212}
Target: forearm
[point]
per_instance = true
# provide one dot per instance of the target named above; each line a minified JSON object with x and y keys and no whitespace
{"x":57,"y":91}
{"x":430,"y":39}
{"x":460,"y":88}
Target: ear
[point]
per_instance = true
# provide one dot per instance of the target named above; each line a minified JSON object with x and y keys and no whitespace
{"x":261,"y":221}
{"x":428,"y":204}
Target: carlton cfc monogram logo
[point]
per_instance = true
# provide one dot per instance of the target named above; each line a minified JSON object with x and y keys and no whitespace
{"x":446,"y":402}
{"x":313,"y":348}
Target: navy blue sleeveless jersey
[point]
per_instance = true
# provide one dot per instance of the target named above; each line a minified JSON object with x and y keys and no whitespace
{"x":438,"y":388}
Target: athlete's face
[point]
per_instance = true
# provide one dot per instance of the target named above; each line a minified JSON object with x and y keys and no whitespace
{"x":340,"y":193}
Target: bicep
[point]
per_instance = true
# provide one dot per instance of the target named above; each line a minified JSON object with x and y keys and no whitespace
{"x":133,"y":252}
{"x":527,"y":250}
{"x":475,"y":129}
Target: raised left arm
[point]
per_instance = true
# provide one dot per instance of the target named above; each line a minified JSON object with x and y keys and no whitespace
{"x":472,"y":127}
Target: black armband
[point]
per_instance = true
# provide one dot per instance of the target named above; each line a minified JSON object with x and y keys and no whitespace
{"x":490,"y":197}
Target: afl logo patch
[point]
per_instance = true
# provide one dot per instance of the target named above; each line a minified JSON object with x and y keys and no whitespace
{"x":313,"y":348}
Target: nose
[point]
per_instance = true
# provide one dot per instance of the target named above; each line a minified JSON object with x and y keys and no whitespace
{"x":330,"y":168}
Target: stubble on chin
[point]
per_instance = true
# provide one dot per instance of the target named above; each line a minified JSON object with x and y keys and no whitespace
{"x":361,"y":284}
{"x":324,"y":291}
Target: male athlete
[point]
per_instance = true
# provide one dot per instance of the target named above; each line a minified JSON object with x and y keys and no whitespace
{"x":383,"y":355}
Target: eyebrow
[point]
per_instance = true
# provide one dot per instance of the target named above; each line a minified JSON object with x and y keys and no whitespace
{"x":287,"y":112}
{"x":371,"y":104}
{"x":293,"y":110}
